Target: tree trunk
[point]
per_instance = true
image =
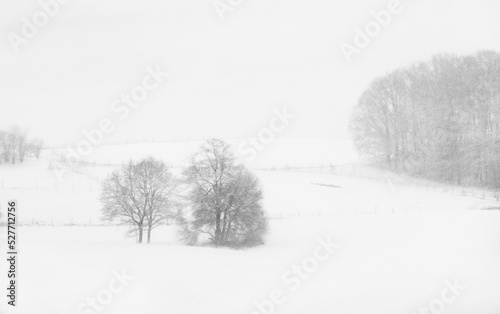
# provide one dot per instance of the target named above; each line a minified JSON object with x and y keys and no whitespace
{"x":140,"y":234}
{"x":217,"y":227}
{"x":149,"y":234}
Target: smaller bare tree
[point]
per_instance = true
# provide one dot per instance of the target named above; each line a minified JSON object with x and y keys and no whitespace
{"x":11,"y":144}
{"x":3,"y":145}
{"x":22,"y":144}
{"x":140,"y":195}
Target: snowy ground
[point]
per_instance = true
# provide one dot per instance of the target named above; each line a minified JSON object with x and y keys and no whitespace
{"x":400,"y":247}
{"x":386,"y":263}
{"x":65,"y":196}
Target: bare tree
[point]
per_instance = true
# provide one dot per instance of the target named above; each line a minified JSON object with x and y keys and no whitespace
{"x":225,"y":199}
{"x":140,"y":195}
{"x":15,"y":144}
{"x":244,"y":222}
{"x":3,"y":145}
{"x":23,"y":146}
{"x":10,"y":141}
{"x":13,"y":138}
{"x":158,"y":188}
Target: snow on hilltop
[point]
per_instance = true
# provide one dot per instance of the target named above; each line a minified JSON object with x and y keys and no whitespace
{"x":73,"y":197}
{"x":286,"y":152}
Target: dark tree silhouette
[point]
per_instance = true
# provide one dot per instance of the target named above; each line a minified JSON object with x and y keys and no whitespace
{"x":224,"y":199}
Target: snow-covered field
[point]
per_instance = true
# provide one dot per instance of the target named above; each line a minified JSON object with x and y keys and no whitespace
{"x":386,"y":263}
{"x":398,"y":249}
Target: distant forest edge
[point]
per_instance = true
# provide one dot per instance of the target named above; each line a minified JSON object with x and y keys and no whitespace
{"x":16,"y":145}
{"x":437,"y":120}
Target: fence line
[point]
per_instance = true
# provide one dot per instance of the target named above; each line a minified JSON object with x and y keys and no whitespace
{"x":354,"y":170}
{"x":93,"y":222}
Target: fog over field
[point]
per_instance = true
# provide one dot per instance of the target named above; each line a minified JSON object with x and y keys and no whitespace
{"x":260,"y":157}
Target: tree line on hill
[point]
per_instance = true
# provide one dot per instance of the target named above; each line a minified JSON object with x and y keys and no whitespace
{"x":216,"y":200}
{"x":15,"y":145}
{"x":437,"y":119}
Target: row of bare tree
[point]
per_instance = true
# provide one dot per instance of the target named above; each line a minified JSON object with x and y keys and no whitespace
{"x":215,"y":199}
{"x":438,"y":119}
{"x":15,"y":145}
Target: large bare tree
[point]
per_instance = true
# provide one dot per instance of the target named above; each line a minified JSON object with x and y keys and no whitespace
{"x":225,"y":199}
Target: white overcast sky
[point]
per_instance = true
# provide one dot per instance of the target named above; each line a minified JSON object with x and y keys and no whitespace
{"x":225,"y":76}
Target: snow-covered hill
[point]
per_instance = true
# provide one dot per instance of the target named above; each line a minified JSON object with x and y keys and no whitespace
{"x":51,"y":192}
{"x":278,"y":153}
{"x":401,"y":243}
